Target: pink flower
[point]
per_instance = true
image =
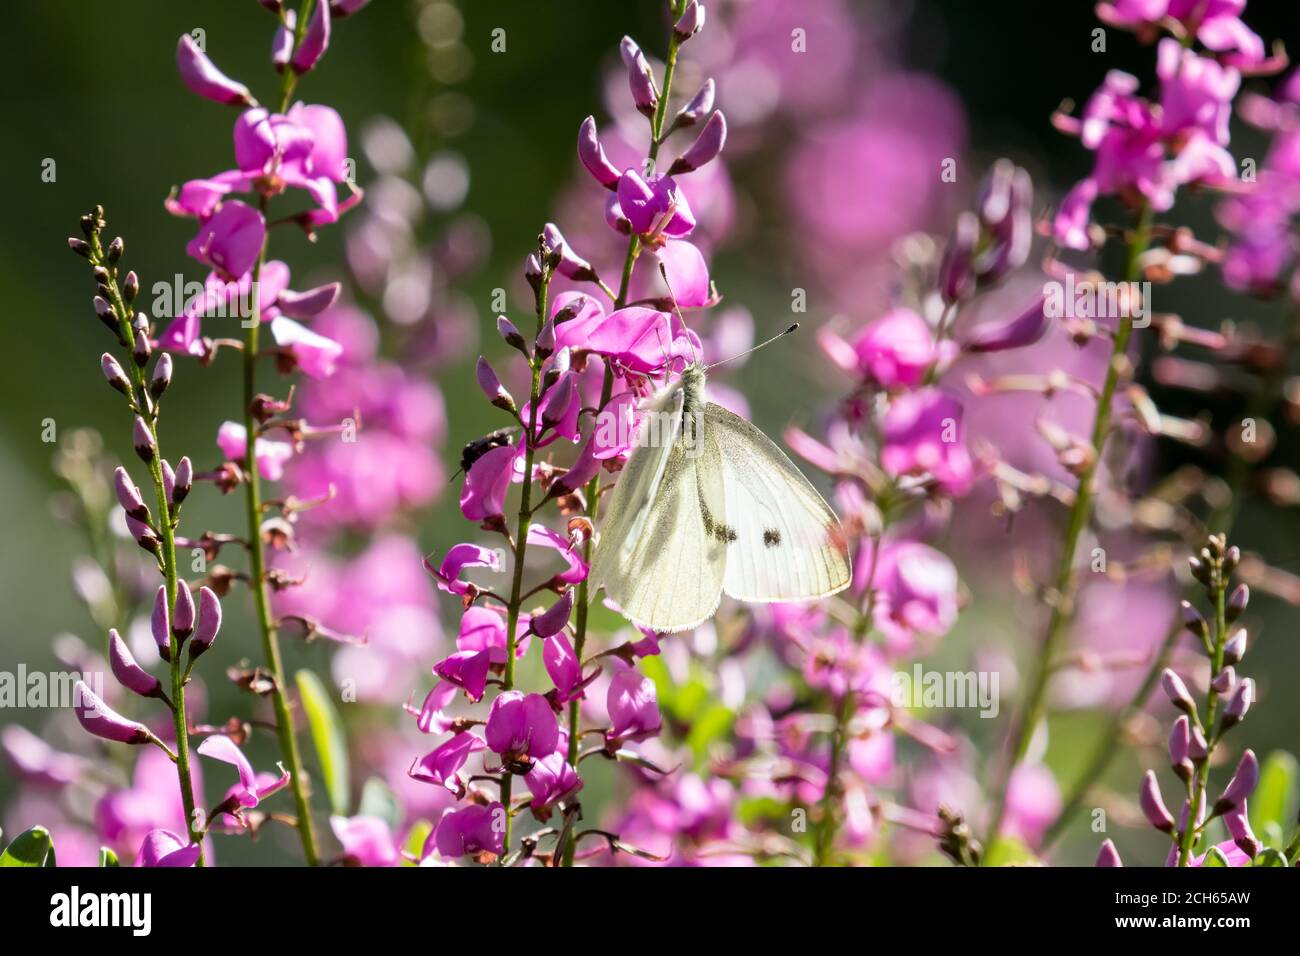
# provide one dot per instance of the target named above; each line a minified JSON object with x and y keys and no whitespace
{"x":551,"y":779}
{"x":251,"y":789}
{"x":542,"y":536}
{"x":483,"y":496}
{"x":1195,"y":92}
{"x":467,"y":670}
{"x":231,"y":240}
{"x":653,"y":208}
{"x":470,"y":831}
{"x":922,"y":437}
{"x":458,"y":558}
{"x":165,"y":848}
{"x":441,"y":766}
{"x":367,"y":841}
{"x":271,"y":454}
{"x":201,"y":76}
{"x":314,"y":354}
{"x":522,"y":727}
{"x":688,"y":273}
{"x":915,"y":590}
{"x":633,"y":706}
{"x":563,"y":666}
{"x":896,"y":350}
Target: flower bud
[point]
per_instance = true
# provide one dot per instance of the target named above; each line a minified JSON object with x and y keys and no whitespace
{"x":1237,"y":602}
{"x":202,"y":77}
{"x":706,"y":147}
{"x":115,"y":250}
{"x":1242,"y":784}
{"x":128,"y":673}
{"x":956,"y":269}
{"x":1108,"y":856}
{"x":160,"y":625}
{"x":1153,"y":805}
{"x":533,"y":272}
{"x":1197,"y":748}
{"x":552,"y":621}
{"x":315,"y":41}
{"x":569,"y":263}
{"x":690,"y":22}
{"x":506,"y":329}
{"x":130,"y":286}
{"x":1239,"y":703}
{"x":128,"y":495}
{"x":1200,"y":570}
{"x":592,"y":155}
{"x":183,"y":614}
{"x":555,"y":405}
{"x":1238,"y":824}
{"x":112,"y":370}
{"x":1224,"y":681}
{"x":183,"y":480}
{"x":143,"y":535}
{"x":282,"y":42}
{"x":1234,"y":649}
{"x":141,"y":350}
{"x":162,"y":375}
{"x":699,"y":106}
{"x":1192,"y":619}
{"x":545,"y":343}
{"x":1179,"y":741}
{"x":1176,"y":691}
{"x":639,"y":78}
{"x":491,"y":385}
{"x":209,"y":623}
{"x":102,"y":721}
{"x":144,"y":442}
{"x":80,"y":246}
{"x":1231,"y":558}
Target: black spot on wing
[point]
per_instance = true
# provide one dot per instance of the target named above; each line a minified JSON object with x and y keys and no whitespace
{"x":716,"y":529}
{"x":771,"y":537}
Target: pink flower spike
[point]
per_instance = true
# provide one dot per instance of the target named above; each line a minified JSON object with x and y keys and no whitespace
{"x":231,"y":240}
{"x":102,"y":721}
{"x":592,"y":155}
{"x":128,"y":673}
{"x":315,"y":41}
{"x":316,"y":355}
{"x":165,"y":848}
{"x":521,"y":726}
{"x":366,"y":840}
{"x":201,"y":76}
{"x":458,"y":558}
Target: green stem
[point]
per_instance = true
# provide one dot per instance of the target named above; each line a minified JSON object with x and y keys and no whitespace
{"x":1196,"y":795}
{"x":257,"y":558}
{"x":1063,"y":596}
{"x":167,"y":527}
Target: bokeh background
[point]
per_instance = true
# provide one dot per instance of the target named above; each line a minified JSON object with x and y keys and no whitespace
{"x":93,"y":86}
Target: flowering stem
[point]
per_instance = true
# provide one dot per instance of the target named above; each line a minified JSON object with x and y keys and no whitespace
{"x":167,"y":555}
{"x":1196,"y":785}
{"x":521,"y":531}
{"x":592,"y":489}
{"x":1063,"y":595}
{"x":257,"y":560}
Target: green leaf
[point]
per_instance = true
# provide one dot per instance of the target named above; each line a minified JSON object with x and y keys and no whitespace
{"x":414,"y":845}
{"x":1274,"y":799}
{"x":33,"y":847}
{"x":1008,"y":851}
{"x":378,"y":800}
{"x":327,"y":736}
{"x":107,"y":857}
{"x":1215,"y":857}
{"x":712,"y":725}
{"x":1269,"y":857}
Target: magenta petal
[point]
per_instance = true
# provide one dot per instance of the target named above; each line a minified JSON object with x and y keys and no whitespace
{"x":562,"y":665}
{"x":102,"y":721}
{"x":201,"y":76}
{"x":231,"y":240}
{"x":636,"y":200}
{"x":522,"y":726}
{"x":688,"y":273}
{"x":304,"y":305}
{"x":165,"y":848}
{"x":483,"y":495}
{"x":468,"y":670}
{"x":1025,"y":329}
{"x":440,"y":766}
{"x":221,"y":747}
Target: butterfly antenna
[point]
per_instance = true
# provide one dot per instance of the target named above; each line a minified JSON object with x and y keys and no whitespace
{"x":663,"y":271}
{"x":779,"y":335}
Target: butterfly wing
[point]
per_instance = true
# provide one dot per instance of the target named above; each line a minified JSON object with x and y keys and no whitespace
{"x":783,"y":538}
{"x":656,"y":558}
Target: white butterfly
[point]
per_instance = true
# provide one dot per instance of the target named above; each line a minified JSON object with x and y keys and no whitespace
{"x":705,"y":504}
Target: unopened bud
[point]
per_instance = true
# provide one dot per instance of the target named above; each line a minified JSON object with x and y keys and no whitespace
{"x":1153,"y":804}
{"x":160,"y":624}
{"x":162,"y":375}
{"x":128,"y":673}
{"x":209,"y":623}
{"x":1176,"y":691}
{"x":699,"y":106}
{"x":1224,"y":681}
{"x":506,"y":329}
{"x":491,"y":385}
{"x":1234,"y":649}
{"x":141,"y":350}
{"x":143,"y":439}
{"x":957,"y":268}
{"x":690,"y":22}
{"x":130,"y":286}
{"x":112,"y":370}
{"x":183,"y":481}
{"x":115,"y":250}
{"x":1237,"y":602}
{"x":639,"y":78}
{"x":80,"y":246}
{"x":128,"y":495}
{"x":1242,"y":784}
{"x":1239,"y":703}
{"x":706,"y":147}
{"x":183,"y":615}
